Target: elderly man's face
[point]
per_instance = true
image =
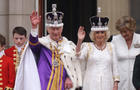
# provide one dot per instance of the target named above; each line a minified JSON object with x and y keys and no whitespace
{"x":55,"y":33}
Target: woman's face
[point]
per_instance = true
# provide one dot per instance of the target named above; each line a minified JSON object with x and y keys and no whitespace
{"x":99,"y":36}
{"x":127,"y":34}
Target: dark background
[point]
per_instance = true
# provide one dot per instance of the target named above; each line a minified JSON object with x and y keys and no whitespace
{"x":134,"y":6}
{"x":76,"y":13}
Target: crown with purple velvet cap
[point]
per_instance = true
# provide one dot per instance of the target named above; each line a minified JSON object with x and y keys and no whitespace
{"x":99,"y":23}
{"x":54,"y":18}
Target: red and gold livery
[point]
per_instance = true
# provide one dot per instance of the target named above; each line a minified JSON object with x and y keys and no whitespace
{"x":13,"y":52}
{"x":7,"y":73}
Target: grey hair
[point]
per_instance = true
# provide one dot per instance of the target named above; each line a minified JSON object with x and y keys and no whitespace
{"x":126,"y":22}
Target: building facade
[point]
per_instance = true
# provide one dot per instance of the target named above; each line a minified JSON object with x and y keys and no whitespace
{"x":17,"y":13}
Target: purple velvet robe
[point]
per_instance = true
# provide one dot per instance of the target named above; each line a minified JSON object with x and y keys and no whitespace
{"x":44,"y":56}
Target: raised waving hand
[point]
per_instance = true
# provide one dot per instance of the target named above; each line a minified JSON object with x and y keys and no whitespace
{"x":81,"y":35}
{"x":35,"y":19}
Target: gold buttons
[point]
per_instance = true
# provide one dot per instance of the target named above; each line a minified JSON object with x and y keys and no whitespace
{"x":0,"y":74}
{"x":1,"y":79}
{"x":1,"y":83}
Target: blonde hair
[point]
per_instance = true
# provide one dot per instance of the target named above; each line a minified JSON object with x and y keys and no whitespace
{"x":126,"y":22}
{"x":93,"y":39}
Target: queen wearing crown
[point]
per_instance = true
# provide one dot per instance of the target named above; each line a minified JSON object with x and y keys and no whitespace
{"x":101,"y":71}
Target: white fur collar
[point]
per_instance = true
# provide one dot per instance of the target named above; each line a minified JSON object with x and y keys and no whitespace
{"x":47,"y":41}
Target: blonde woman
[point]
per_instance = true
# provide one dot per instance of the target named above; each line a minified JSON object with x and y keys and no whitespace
{"x":127,"y":47}
{"x":101,"y":62}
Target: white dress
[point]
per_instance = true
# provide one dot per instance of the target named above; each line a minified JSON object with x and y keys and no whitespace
{"x":126,"y":58}
{"x":101,"y":67}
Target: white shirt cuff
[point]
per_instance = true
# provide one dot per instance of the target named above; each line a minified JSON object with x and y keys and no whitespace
{"x":34,"y":32}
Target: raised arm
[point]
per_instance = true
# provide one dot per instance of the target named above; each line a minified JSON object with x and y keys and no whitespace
{"x":33,"y":39}
{"x":81,"y":36}
{"x":35,"y":19}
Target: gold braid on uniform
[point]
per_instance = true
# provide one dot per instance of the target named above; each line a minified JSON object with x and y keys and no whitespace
{"x":8,"y":88}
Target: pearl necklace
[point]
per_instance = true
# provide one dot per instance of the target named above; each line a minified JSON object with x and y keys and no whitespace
{"x":100,"y":48}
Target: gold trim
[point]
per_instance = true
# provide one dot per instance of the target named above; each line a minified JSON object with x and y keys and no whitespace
{"x":1,"y":79}
{"x":9,"y":88}
{"x":15,"y":50}
{"x":0,"y":65}
{"x":58,"y":76}
{"x":15,"y":54}
{"x":88,"y":51}
{"x":1,"y":83}
{"x":116,"y":78}
{"x":55,"y":71}
{"x":0,"y":69}
{"x":61,"y":76}
{"x":110,"y":48}
{"x":1,"y":61}
{"x":33,"y":44}
{"x":51,"y":72}
{"x":61,"y":40}
{"x":54,"y":83}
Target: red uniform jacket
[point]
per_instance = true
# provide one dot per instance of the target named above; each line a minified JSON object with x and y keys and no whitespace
{"x":13,"y":52}
{"x":7,"y":73}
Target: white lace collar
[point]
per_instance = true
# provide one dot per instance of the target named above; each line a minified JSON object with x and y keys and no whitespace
{"x":19,"y":48}
{"x":2,"y":53}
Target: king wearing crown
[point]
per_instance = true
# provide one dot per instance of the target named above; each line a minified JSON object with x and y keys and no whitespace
{"x":57,"y":67}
